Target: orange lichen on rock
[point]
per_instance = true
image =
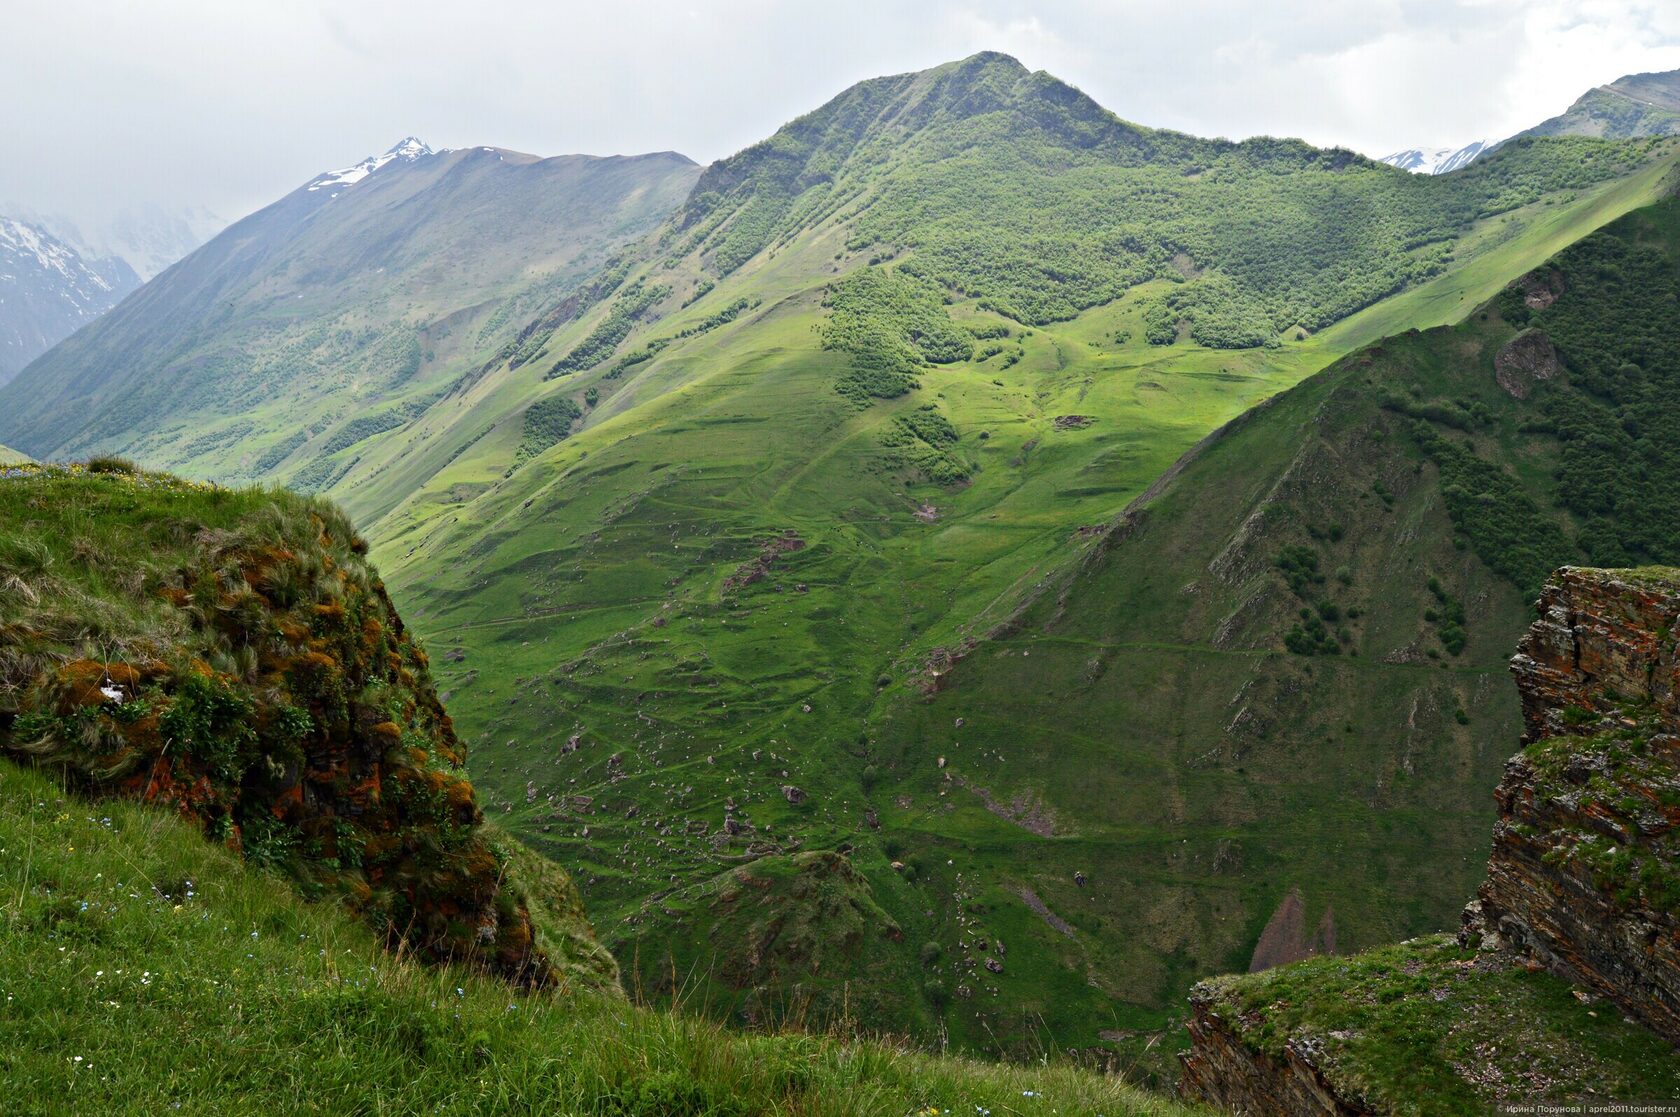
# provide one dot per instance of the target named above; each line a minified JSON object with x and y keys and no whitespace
{"x":300,"y":737}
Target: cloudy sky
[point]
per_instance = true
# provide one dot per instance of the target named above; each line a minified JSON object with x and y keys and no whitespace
{"x":229,"y":103}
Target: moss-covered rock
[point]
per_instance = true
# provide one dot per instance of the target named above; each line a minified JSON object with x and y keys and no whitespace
{"x":234,"y":655}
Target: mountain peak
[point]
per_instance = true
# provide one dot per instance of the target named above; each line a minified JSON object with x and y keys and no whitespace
{"x":406,"y":150}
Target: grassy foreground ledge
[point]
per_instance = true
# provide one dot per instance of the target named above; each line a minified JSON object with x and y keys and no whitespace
{"x":145,"y":970}
{"x":1424,"y":1027}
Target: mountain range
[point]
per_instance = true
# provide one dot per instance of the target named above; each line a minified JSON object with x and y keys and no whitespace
{"x":967,"y":562}
{"x":395,"y":272}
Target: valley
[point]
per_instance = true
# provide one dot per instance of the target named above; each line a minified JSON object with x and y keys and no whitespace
{"x":965,"y":568}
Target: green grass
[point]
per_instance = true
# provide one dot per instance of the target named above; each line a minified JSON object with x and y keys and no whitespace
{"x":1425,"y":1027}
{"x":144,"y":970}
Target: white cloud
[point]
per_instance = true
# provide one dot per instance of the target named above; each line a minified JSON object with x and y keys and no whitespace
{"x":230,"y":105}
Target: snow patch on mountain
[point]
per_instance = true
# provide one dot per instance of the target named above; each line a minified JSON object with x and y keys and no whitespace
{"x":31,"y":246}
{"x":1438,"y":161}
{"x":407,"y":151}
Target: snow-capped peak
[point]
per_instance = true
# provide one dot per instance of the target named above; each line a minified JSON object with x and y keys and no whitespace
{"x":1438,"y":161}
{"x":407,"y":151}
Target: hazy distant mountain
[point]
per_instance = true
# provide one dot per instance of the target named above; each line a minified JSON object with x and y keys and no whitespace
{"x":48,"y":290}
{"x":355,"y":297}
{"x":1630,"y":107}
{"x":146,"y":236}
{"x":1437,"y":161}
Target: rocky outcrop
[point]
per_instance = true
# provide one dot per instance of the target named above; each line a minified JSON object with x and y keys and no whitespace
{"x":1523,"y":361}
{"x":1585,"y":871}
{"x":260,"y":682}
{"x":1603,"y":641}
{"x":1225,"y":1069}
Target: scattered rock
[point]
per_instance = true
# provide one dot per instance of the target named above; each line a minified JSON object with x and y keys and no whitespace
{"x":793,"y":794}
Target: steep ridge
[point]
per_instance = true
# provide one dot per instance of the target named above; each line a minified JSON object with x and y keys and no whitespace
{"x":1636,"y":105}
{"x":232,"y":656}
{"x":1272,"y":681}
{"x":1571,"y":943}
{"x":48,"y":290}
{"x":341,"y":310}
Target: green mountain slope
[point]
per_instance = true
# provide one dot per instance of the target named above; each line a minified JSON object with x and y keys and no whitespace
{"x":341,"y":310}
{"x":1633,"y":106}
{"x":682,"y":557}
{"x":1256,"y":720}
{"x":711,"y":514}
{"x":148,"y":971}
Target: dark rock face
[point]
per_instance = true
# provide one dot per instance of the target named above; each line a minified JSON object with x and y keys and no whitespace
{"x":1222,"y":1069}
{"x":1525,"y":359}
{"x":1585,"y":871}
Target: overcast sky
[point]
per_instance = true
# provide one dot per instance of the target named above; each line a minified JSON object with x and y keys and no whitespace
{"x":230,"y":103}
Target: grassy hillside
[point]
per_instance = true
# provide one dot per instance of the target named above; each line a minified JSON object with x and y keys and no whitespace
{"x":335,"y":313}
{"x":599,"y":538}
{"x":11,"y":456}
{"x":144,"y":970}
{"x":1261,"y":716}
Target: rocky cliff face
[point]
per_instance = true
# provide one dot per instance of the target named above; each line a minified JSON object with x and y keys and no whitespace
{"x":1581,"y":904}
{"x":1585,"y":871}
{"x":1223,"y":1068}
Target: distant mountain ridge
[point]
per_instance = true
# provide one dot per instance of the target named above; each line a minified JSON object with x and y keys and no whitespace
{"x":340,"y":309}
{"x":147,"y":236}
{"x":48,"y":290}
{"x":1628,"y":108}
{"x":1632,"y":107}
